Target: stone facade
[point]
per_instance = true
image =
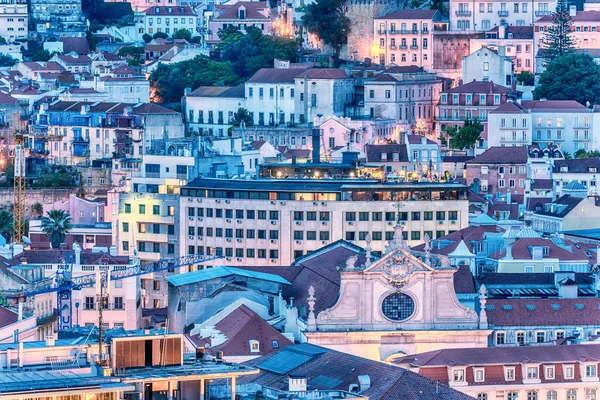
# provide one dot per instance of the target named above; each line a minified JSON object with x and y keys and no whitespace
{"x":449,"y":49}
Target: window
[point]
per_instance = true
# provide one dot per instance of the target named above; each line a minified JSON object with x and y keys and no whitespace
{"x":440,"y":215}
{"x":127,"y":208}
{"x":363,"y":216}
{"x":453,"y":215}
{"x":590,"y":394}
{"x":156,"y":285}
{"x":89,"y":303}
{"x":482,"y":396}
{"x":551,"y":395}
{"x":571,"y":394}
{"x":311,"y":215}
{"x":254,"y":346}
{"x":119,"y":303}
{"x":415,"y":216}
{"x":532,"y":372}
{"x":324,"y":216}
{"x":500,"y":338}
{"x":540,"y":337}
{"x":125,"y":226}
{"x":549,"y":372}
{"x":509,"y":373}
{"x":142,"y":208}
{"x":479,"y":375}
{"x":569,"y":371}
{"x":155,"y":210}
{"x":311,"y":235}
{"x":324,"y":235}
{"x":521,"y":338}
{"x":350,"y":216}
{"x":590,"y":371}
{"x":459,"y":375}
{"x":532,"y":395}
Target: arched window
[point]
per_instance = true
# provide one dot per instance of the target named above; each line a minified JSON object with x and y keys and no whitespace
{"x":571,"y":394}
{"x":532,"y":395}
{"x":590,"y":394}
{"x":482,"y":396}
{"x":551,"y":395}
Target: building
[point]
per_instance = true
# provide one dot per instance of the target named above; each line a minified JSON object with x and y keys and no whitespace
{"x":407,"y":95}
{"x":352,"y":378}
{"x":73,"y":62}
{"x":517,"y":42}
{"x":537,"y":121}
{"x":58,"y":18}
{"x":571,"y":211}
{"x":488,"y":65}
{"x":242,"y":15}
{"x":404,"y":38}
{"x":499,"y":170}
{"x":209,"y":110}
{"x":398,"y":290}
{"x":250,"y":220}
{"x":122,"y":84}
{"x":581,"y":170}
{"x":483,"y":16}
{"x":166,"y":19}
{"x":474,"y":101}
{"x":14,"y":21}
{"x":548,"y":372}
{"x":584,"y":32}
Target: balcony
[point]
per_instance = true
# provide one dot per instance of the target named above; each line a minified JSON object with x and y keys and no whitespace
{"x":425,"y":31}
{"x":80,"y":139}
{"x":415,"y":31}
{"x":393,"y":47}
{"x":541,"y":13}
{"x":503,"y":13}
{"x":463,"y":13}
{"x":381,"y":32}
{"x":402,"y":47}
{"x":414,"y":47}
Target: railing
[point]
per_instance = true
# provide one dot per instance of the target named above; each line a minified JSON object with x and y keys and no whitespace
{"x":414,"y":47}
{"x":393,"y":47}
{"x":503,"y":13}
{"x":403,"y":47}
{"x":541,"y":13}
{"x":381,"y":32}
{"x":463,"y":13}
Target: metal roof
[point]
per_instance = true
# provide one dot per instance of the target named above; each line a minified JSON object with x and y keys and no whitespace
{"x":220,"y":272}
{"x":55,"y":381}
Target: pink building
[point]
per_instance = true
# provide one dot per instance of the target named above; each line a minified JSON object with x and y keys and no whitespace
{"x":242,"y":14}
{"x":499,"y":170}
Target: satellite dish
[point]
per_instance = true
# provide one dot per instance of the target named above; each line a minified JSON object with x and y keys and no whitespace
{"x":26,"y":240}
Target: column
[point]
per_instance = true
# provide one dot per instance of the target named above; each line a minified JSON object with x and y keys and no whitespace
{"x":233,"y":388}
{"x":170,"y":390}
{"x":201,"y":391}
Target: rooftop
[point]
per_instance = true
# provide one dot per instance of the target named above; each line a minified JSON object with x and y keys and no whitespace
{"x":219,"y":91}
{"x":220,"y":272}
{"x":410,"y":14}
{"x":480,"y":87}
{"x":501,"y":155}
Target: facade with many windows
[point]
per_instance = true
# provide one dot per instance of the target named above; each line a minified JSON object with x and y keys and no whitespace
{"x":166,"y":19}
{"x":405,"y":37}
{"x":274,"y":221}
{"x":485,"y":15}
{"x":13,"y":20}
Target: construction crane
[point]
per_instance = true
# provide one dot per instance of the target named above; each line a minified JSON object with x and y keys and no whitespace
{"x":19,"y":188}
{"x":64,"y":283}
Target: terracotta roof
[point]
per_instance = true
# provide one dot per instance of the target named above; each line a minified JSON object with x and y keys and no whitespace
{"x":553,"y":105}
{"x":323,"y":73}
{"x":503,"y":356}
{"x":536,"y":203}
{"x":543,"y":312}
{"x":563,"y":205}
{"x":479,"y":87}
{"x":276,"y":75}
{"x":220,"y":91}
{"x":463,"y":281}
{"x":7,"y":99}
{"x":577,"y":165}
{"x":416,"y":139}
{"x":509,"y":108}
{"x":447,"y":244}
{"x":253,"y":10}
{"x":385,"y":78}
{"x":408,"y":69}
{"x":523,"y":279}
{"x":77,"y":44}
{"x":298,"y":153}
{"x":374,"y":152}
{"x":239,"y":327}
{"x":168,"y":10}
{"x":542,"y":184}
{"x":257,"y":144}
{"x":410,"y":14}
{"x":44,"y":66}
{"x":333,"y":370}
{"x":522,"y":250}
{"x":75,"y":60}
{"x":458,"y":158}
{"x":501,"y":155}
{"x":518,"y":32}
{"x":580,"y":16}
{"x":7,"y":317}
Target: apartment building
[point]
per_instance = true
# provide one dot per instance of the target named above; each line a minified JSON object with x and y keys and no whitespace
{"x":584,"y":30}
{"x":516,"y":40}
{"x":581,"y":170}
{"x":242,"y":15}
{"x":488,"y":65}
{"x":407,"y":95}
{"x":484,"y":15}
{"x":472,"y":100}
{"x":166,"y":19}
{"x":13,"y":20}
{"x":405,"y":38}
{"x":58,"y":18}
{"x":499,"y":169}
{"x":565,"y":123}
{"x":274,"y":221}
{"x":533,"y":373}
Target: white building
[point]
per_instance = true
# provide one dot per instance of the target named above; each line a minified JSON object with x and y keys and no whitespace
{"x":13,"y":20}
{"x":584,"y":171}
{"x":405,"y":38}
{"x":584,"y":31}
{"x":488,"y":65}
{"x":209,"y":109}
{"x":485,"y":15}
{"x":565,"y":123}
{"x":167,"y":19}
{"x":517,"y":42}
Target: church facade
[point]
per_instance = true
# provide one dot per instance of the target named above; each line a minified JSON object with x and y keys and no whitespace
{"x":397,"y":305}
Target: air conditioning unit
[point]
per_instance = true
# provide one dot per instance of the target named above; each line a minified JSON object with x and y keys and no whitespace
{"x":200,"y":219}
{"x":238,"y":259}
{"x":273,"y":240}
{"x":323,"y":222}
{"x":298,"y":242}
{"x":227,"y":201}
{"x":453,"y":222}
{"x":273,"y":222}
{"x":217,"y":201}
{"x":298,"y":222}
{"x":238,"y":240}
{"x":228,"y":258}
{"x":351,"y":223}
{"x":440,"y":222}
{"x":228,"y":220}
{"x":190,"y":218}
{"x":282,"y":203}
{"x":229,"y":239}
{"x":200,"y":237}
{"x":239,"y":221}
{"x":390,"y":223}
{"x":190,"y":236}
{"x":315,"y":203}
{"x":199,"y":200}
{"x":273,"y":202}
{"x":190,"y":199}
{"x":323,"y":241}
{"x":273,"y":260}
{"x":323,"y":203}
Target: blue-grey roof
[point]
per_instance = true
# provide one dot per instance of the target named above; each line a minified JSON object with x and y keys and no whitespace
{"x":35,"y":381}
{"x":40,"y":344}
{"x":587,"y":233}
{"x":220,"y":272}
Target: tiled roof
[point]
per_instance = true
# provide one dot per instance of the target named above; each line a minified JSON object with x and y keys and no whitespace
{"x":416,"y":139}
{"x":257,"y":144}
{"x":536,"y":203}
{"x":44,"y":66}
{"x":239,"y":327}
{"x":542,"y":184}
{"x":168,"y":10}
{"x":323,"y":73}
{"x":328,"y":369}
{"x":578,"y":165}
{"x":463,"y":281}
{"x":580,"y":16}
{"x":543,"y":312}
{"x":553,"y":105}
{"x":220,"y":91}
{"x":447,"y":244}
{"x":55,"y":256}
{"x":522,"y":249}
{"x":479,"y":87}
{"x":501,"y":155}
{"x":457,"y":158}
{"x":276,"y":75}
{"x":77,"y":44}
{"x":298,"y":153}
{"x":410,"y":14}
{"x":504,"y":355}
{"x":527,"y":279}
{"x":75,"y":60}
{"x":253,"y":10}
{"x":408,"y":69}
{"x":518,"y":32}
{"x":7,"y":99}
{"x":7,"y":317}
{"x":374,"y":152}
{"x":509,"y":108}
{"x":565,"y":204}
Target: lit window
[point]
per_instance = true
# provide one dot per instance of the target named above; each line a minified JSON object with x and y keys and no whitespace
{"x":254,"y":346}
{"x":459,"y":375}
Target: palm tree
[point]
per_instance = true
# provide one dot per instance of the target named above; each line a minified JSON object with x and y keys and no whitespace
{"x":56,"y":224}
{"x":7,"y":224}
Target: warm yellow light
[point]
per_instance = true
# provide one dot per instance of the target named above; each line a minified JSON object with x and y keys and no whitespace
{"x":316,"y":174}
{"x":279,"y":174}
{"x":351,"y":174}
{"x":374,"y":50}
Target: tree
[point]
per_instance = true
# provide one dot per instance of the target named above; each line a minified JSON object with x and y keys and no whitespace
{"x":6,"y":60}
{"x":558,"y":40}
{"x":182,"y":34}
{"x":160,"y":35}
{"x":37,"y":210}
{"x":570,"y":77}
{"x":147,"y":38}
{"x":581,"y":153}
{"x":2,"y":40}
{"x":567,"y":156}
{"x":241,"y":115}
{"x":92,"y":40}
{"x":7,"y":224}
{"x":56,"y":224}
{"x":42,"y":55}
{"x":450,"y":132}
{"x":467,"y":135}
{"x":327,"y":20}
{"x":526,"y":78}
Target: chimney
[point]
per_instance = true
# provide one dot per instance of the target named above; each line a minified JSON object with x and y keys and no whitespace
{"x":502,"y":31}
{"x":20,"y":311}
{"x":508,"y":255}
{"x":364,"y":382}
{"x":297,"y":383}
{"x":20,"y":356}
{"x":316,"y":145}
{"x":572,"y":10}
{"x":187,"y":91}
{"x":77,"y":249}
{"x":50,"y":340}
{"x":112,"y":250}
{"x":17,"y":249}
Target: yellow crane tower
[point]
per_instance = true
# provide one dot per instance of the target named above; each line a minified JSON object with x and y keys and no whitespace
{"x":20,"y":186}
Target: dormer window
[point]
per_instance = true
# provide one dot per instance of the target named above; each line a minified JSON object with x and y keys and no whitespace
{"x":569,"y":371}
{"x":564,"y":169}
{"x":444,"y":99}
{"x":383,"y":156}
{"x":509,"y":373}
{"x":242,"y":13}
{"x":532,"y":372}
{"x":479,"y":374}
{"x":591,"y":371}
{"x":459,"y":375}
{"x":592,"y":169}
{"x":549,"y":372}
{"x":254,"y":346}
